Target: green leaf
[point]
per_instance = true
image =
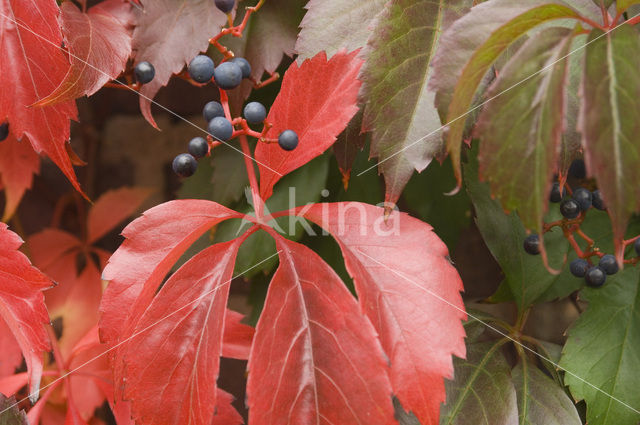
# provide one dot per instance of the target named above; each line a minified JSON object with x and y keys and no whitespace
{"x":622,"y":5}
{"x":12,"y":415}
{"x":540,"y":400}
{"x":399,"y":108}
{"x":504,"y":235}
{"x":521,"y":130}
{"x":478,"y":40}
{"x":220,"y":178}
{"x":331,"y":25}
{"x":347,"y":145}
{"x":602,"y":350}
{"x":300,"y":187}
{"x":609,"y":121}
{"x":482,"y":392}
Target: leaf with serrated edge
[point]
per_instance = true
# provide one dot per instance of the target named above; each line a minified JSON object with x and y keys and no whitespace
{"x":395,"y":261}
{"x":317,"y":100}
{"x":100,"y":45}
{"x":188,"y":342}
{"x":540,"y":400}
{"x":32,"y":67}
{"x":315,"y":357}
{"x":508,"y":22}
{"x":332,"y":25}
{"x":11,"y":415}
{"x":399,"y":108}
{"x":112,"y":208}
{"x":482,"y":392}
{"x":602,"y":350}
{"x":18,"y":164}
{"x":22,"y":305}
{"x":608,"y":122}
{"x":520,"y":131}
{"x":168,"y":34}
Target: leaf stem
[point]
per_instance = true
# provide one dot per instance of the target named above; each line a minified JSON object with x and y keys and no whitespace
{"x":258,"y":204}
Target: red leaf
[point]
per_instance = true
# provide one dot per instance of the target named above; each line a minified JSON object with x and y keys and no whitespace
{"x":18,"y":164}
{"x":173,"y":358}
{"x":112,"y":208}
{"x":317,"y":100}
{"x":169,"y":34}
{"x":100,"y":44}
{"x":22,"y":304}
{"x":225,"y":413}
{"x":315,"y":358}
{"x":154,"y":242}
{"x":10,"y":356}
{"x":33,"y":65}
{"x":237,"y":337}
{"x":409,"y":290}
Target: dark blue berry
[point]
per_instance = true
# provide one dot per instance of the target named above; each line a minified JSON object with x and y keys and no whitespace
{"x":596,"y":200}
{"x":577,"y":169}
{"x":288,"y":140}
{"x":583,"y":197}
{"x":4,"y":131}
{"x":244,"y":66}
{"x":609,"y":264}
{"x":636,"y":246}
{"x":201,"y":69}
{"x":569,"y":209}
{"x":220,"y":128}
{"x":595,"y":277}
{"x":255,"y":112}
{"x":532,"y":244}
{"x":579,"y":267}
{"x":228,"y":75}
{"x":211,"y":110}
{"x":225,"y":5}
{"x":556,"y":195}
{"x":198,"y":147}
{"x":184,"y":165}
{"x":144,"y":72}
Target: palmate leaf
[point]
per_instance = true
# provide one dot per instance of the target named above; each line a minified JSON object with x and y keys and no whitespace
{"x":399,"y":108}
{"x":33,"y":66}
{"x":478,"y":39}
{"x":315,"y":358}
{"x":608,"y":122}
{"x":520,"y":131}
{"x":410,"y":292}
{"x":100,"y":45}
{"x":482,"y":392}
{"x":317,"y":100}
{"x":602,"y":350}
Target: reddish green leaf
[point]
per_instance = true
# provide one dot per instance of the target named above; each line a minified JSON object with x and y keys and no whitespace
{"x":332,"y":25}
{"x":409,"y":290}
{"x":609,"y":124}
{"x":18,"y":164}
{"x":521,"y":130}
{"x":112,"y":208}
{"x":168,"y":34}
{"x":317,"y":100}
{"x":22,"y":304}
{"x":100,"y":45}
{"x":181,"y":331}
{"x":349,"y":143}
{"x":32,"y":67}
{"x":476,"y":50}
{"x":399,"y":108}
{"x":11,"y":415}
{"x":315,"y":358}
{"x":154,"y":242}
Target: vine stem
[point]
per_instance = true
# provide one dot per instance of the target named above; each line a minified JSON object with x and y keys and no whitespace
{"x":62,"y":367}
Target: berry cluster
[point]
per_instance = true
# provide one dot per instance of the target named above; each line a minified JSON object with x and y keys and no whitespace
{"x":574,"y":208}
{"x":221,"y":127}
